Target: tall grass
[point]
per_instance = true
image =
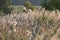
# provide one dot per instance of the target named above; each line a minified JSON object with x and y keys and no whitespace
{"x":39,"y":24}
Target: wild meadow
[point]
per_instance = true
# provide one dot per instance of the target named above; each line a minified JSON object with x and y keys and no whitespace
{"x":39,"y":24}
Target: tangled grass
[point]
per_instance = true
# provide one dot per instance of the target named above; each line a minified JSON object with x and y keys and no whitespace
{"x":31,"y":25}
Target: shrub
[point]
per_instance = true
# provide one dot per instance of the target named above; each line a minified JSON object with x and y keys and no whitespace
{"x":28,"y":5}
{"x":51,"y":4}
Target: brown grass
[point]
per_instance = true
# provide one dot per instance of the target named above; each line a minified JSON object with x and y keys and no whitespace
{"x":35,"y":25}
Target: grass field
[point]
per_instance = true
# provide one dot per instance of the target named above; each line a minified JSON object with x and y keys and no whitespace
{"x":39,"y":24}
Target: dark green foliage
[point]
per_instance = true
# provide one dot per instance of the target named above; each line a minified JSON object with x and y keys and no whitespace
{"x":4,"y":6}
{"x":51,"y":4}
